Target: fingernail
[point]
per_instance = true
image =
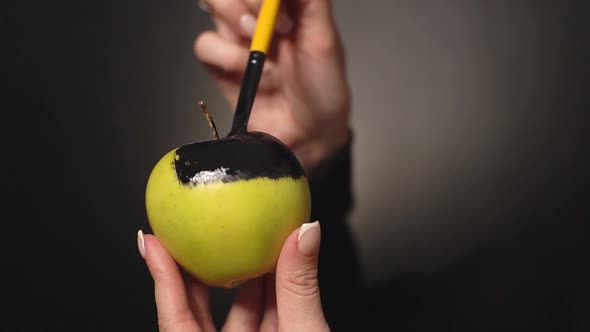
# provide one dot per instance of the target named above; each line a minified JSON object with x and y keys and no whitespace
{"x":284,"y":23}
{"x":309,"y":239}
{"x":140,"y":243}
{"x":203,"y":5}
{"x":248,"y":25}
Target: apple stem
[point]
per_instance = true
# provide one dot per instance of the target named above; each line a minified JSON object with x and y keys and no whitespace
{"x":209,"y":118}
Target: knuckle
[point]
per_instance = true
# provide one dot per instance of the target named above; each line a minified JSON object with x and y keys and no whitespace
{"x":302,"y":283}
{"x":159,"y":274}
{"x":202,"y":41}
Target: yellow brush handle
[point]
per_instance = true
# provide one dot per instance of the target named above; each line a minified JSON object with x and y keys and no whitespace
{"x":265,"y":26}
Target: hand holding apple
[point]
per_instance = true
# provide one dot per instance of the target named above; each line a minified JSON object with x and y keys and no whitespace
{"x":288,"y":300}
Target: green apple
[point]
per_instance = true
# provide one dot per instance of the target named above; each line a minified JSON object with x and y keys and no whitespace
{"x":223,"y":208}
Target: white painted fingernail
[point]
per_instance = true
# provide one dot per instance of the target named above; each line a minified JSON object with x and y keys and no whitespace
{"x":284,"y":23}
{"x":309,"y":238}
{"x":140,"y":243}
{"x":248,"y":25}
{"x":203,"y":6}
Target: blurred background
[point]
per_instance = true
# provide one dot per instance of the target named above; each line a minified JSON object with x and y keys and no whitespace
{"x":469,"y":146}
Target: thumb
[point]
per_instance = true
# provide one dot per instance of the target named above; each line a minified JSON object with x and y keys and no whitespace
{"x":299,"y":306}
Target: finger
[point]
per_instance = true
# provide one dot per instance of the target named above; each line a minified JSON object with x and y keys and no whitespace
{"x":222,"y":27}
{"x":310,"y":13}
{"x":174,"y":311}
{"x":284,"y":23}
{"x":298,"y":295}
{"x":234,"y":14}
{"x":270,"y":320}
{"x":199,"y":302}
{"x":226,"y":61}
{"x":215,"y":51}
{"x":244,"y":314}
{"x":230,"y":83}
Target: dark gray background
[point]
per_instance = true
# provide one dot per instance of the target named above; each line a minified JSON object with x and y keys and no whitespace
{"x":468,"y":123}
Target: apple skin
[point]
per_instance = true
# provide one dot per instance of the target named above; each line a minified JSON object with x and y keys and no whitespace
{"x":228,"y":229}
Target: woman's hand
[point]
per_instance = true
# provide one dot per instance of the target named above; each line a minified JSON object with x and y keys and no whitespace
{"x":288,"y":300}
{"x":303,"y":97}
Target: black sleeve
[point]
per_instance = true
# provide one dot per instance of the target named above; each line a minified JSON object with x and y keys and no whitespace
{"x":339,"y":269}
{"x":331,"y":187}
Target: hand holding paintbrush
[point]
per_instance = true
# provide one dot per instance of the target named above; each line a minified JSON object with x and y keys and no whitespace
{"x":303,"y":98}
